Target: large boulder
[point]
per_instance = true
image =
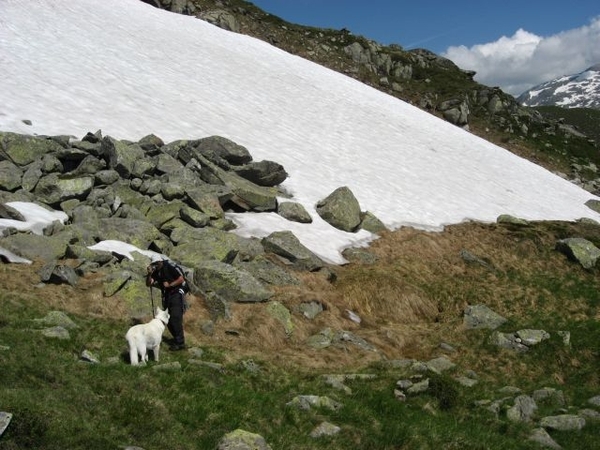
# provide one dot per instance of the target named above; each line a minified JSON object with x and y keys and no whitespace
{"x":230,"y":283}
{"x":121,"y":156}
{"x":36,"y":247}
{"x":10,"y":176}
{"x":294,"y":212}
{"x":215,"y":148}
{"x":286,"y":245}
{"x":579,"y":250}
{"x":246,"y":195}
{"x":209,"y":243}
{"x":340,"y":209}
{"x":263,"y":173}
{"x":53,"y":190}
{"x":23,"y":149}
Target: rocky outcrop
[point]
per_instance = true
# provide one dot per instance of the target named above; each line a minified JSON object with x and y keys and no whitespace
{"x":167,"y":198}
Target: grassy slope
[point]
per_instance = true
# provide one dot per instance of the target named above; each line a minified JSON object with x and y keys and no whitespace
{"x":410,"y":301}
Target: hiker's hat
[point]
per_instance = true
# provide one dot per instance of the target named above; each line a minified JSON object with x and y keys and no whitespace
{"x":155,"y":258}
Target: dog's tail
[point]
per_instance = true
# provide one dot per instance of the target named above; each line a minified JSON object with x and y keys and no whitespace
{"x":133,"y":353}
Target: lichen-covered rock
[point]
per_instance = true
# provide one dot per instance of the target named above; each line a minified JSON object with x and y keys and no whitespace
{"x":579,"y":250}
{"x":232,"y":284}
{"x":340,"y":209}
{"x":481,"y":316}
{"x":294,"y":212}
{"x":286,"y":245}
{"x":242,"y":440}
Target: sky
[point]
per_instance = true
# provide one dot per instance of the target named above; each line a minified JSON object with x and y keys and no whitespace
{"x":130,"y":70}
{"x":513,"y":44}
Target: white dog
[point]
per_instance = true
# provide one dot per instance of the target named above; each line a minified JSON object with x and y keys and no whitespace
{"x":146,"y":336}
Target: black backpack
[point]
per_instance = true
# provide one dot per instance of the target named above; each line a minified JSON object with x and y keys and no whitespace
{"x":185,"y":286}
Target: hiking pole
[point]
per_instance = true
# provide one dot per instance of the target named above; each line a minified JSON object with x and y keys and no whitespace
{"x":152,"y":300}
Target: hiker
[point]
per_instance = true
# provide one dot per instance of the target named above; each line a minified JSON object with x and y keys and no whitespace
{"x":165,"y":276}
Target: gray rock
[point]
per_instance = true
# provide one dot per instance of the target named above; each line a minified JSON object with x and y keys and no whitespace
{"x":242,"y":440}
{"x":306,"y":402}
{"x":280,"y":313}
{"x":580,"y":250}
{"x":33,"y":246}
{"x":325,"y":429}
{"x":419,"y":387}
{"x":23,"y":149}
{"x":589,"y":414}
{"x":563,"y":422}
{"x":294,"y":212}
{"x":371,"y":223}
{"x":230,"y":283}
{"x":595,"y":401}
{"x":340,"y":209}
{"x":89,"y":357}
{"x":511,"y":220}
{"x":542,"y":437}
{"x":221,"y":18}
{"x":310,"y":310}
{"x":5,"y":418}
{"x":58,"y":318}
{"x":532,"y":337}
{"x":266,"y":271}
{"x":550,"y":395}
{"x":439,"y":365}
{"x":286,"y":245}
{"x":508,"y":341}
{"x":52,"y":189}
{"x":246,"y":195}
{"x":121,"y":156}
{"x":262,"y":173}
{"x":523,"y":409}
{"x":480,"y":316}
{"x":10,"y":176}
{"x":56,"y":332}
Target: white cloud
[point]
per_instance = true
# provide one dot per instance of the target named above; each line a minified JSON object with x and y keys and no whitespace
{"x":523,"y":60}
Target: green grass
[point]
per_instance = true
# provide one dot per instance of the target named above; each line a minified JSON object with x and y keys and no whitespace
{"x":59,"y":402}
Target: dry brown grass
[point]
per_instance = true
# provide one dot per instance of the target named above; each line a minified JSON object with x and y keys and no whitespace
{"x":409,"y":301}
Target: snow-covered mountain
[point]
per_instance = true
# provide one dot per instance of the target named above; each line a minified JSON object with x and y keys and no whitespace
{"x":581,"y":90}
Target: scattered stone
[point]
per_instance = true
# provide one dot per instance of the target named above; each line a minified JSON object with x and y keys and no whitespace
{"x":310,"y":310}
{"x":542,"y":437}
{"x":532,"y":337}
{"x":580,"y":250}
{"x":595,"y":401}
{"x":467,"y":382}
{"x":447,"y":347}
{"x":523,"y":409}
{"x":5,"y":418}
{"x":243,"y":440}
{"x":56,"y":332}
{"x":589,"y":414}
{"x":172,"y":366}
{"x":211,"y":365}
{"x":563,"y":422}
{"x":480,"y":316}
{"x":439,"y":365}
{"x":58,"y":318}
{"x":325,"y":429}
{"x":418,"y":388}
{"x":89,"y":357}
{"x":306,"y":402}
{"x":353,"y":316}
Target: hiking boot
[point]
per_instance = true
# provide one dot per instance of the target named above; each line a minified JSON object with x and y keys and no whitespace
{"x":177,"y":347}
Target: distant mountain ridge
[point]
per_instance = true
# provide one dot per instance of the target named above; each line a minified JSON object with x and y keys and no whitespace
{"x":581,"y":90}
